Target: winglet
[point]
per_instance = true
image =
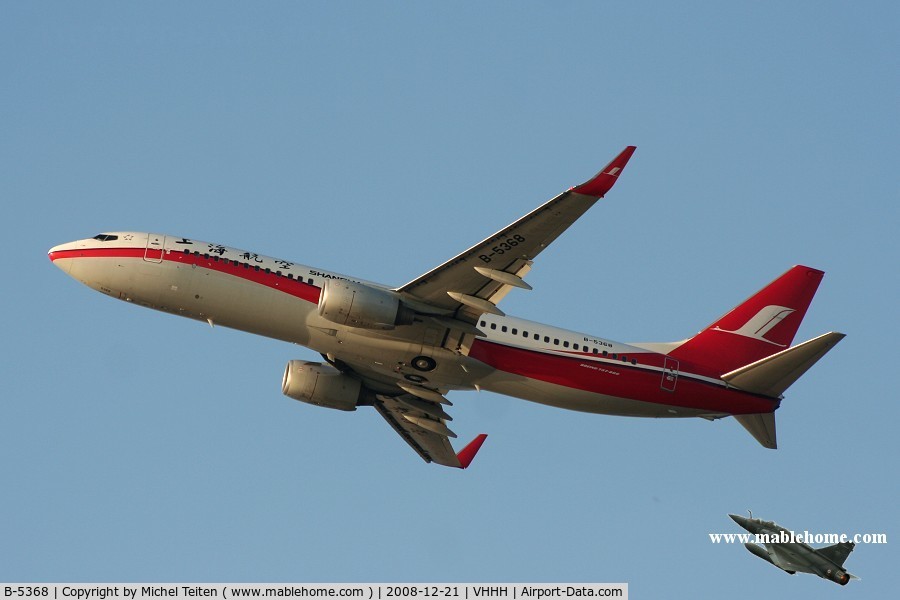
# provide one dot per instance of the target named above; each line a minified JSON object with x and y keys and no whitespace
{"x":467,"y":454}
{"x":603,"y":181}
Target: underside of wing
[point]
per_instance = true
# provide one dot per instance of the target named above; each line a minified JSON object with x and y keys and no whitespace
{"x":784,"y":561}
{"x":422,"y":423}
{"x":474,"y":282}
{"x":454,"y":296}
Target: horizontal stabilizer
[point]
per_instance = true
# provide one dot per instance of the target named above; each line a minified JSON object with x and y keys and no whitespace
{"x":772,"y":375}
{"x":761,"y":426}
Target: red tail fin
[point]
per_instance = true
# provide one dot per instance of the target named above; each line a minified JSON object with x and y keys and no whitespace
{"x":763,"y":325}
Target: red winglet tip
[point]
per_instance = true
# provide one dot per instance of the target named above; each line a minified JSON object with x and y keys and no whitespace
{"x":467,"y":454}
{"x":603,"y":181}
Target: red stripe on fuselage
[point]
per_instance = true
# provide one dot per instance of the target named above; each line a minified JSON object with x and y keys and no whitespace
{"x":98,"y":253}
{"x":293,"y":287}
{"x":618,"y":379}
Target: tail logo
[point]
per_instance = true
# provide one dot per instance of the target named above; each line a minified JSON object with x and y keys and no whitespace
{"x":762,"y":323}
{"x":614,"y":171}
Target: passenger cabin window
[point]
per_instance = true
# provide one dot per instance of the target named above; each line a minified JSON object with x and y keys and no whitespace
{"x":493,"y":326}
{"x":515,"y":331}
{"x":565,"y":344}
{"x":595,"y":351}
{"x":503,"y":329}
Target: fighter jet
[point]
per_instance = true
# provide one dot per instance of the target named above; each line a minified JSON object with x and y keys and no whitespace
{"x":794,"y":555}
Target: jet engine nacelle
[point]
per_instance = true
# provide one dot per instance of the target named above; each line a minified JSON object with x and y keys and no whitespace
{"x":359,"y":305}
{"x":322,"y":385}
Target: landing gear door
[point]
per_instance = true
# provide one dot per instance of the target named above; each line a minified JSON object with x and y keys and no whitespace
{"x":156,"y":245}
{"x":670,"y":374}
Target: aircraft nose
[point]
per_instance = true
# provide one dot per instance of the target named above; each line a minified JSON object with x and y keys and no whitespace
{"x":742,"y":521}
{"x":56,"y":254}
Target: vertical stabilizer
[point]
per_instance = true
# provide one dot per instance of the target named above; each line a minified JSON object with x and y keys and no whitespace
{"x":762,"y":325}
{"x":838,"y":553}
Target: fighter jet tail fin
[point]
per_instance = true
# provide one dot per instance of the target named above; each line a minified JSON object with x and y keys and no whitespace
{"x":837,"y":553}
{"x":772,"y":375}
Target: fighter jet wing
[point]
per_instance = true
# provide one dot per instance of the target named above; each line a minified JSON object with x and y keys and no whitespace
{"x":473,"y":282}
{"x":784,"y":561}
{"x":423,"y":425}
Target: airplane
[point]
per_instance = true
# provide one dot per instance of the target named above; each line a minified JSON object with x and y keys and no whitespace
{"x":794,"y":556}
{"x":402,"y":349}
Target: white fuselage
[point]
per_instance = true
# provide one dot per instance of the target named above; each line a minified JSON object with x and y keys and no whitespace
{"x":278,"y":299}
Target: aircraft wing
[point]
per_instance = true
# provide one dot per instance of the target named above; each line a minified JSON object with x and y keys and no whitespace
{"x":459,"y":291}
{"x":473,"y":282}
{"x":423,"y":425}
{"x":783,"y":560}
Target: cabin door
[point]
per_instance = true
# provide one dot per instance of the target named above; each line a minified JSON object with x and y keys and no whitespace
{"x":670,"y":374}
{"x":156,"y":245}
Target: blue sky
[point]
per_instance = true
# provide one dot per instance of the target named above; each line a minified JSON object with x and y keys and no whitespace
{"x":380,"y":140}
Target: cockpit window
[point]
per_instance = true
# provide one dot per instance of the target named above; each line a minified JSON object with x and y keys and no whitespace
{"x":104,"y":237}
